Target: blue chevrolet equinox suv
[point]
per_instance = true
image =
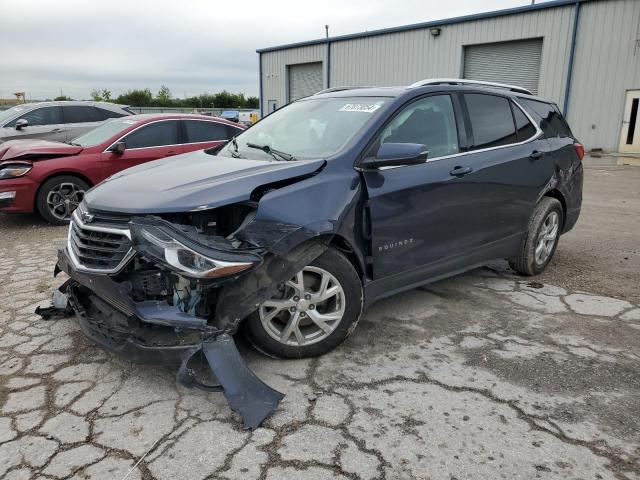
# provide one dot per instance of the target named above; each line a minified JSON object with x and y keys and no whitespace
{"x":293,"y":227}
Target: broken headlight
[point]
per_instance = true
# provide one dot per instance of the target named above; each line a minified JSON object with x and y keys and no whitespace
{"x":173,"y":248}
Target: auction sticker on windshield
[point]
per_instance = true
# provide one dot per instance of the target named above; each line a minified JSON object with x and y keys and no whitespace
{"x":360,"y":107}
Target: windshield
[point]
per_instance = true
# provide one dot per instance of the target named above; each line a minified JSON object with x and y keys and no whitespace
{"x":103,"y":133}
{"x":9,"y":113}
{"x":313,"y":128}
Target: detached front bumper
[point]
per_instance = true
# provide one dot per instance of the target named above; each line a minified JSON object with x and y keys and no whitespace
{"x":156,"y":332}
{"x":110,"y":318}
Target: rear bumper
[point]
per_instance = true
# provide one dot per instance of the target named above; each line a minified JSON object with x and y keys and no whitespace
{"x":24,"y":199}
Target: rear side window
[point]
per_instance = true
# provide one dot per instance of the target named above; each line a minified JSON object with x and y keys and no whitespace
{"x":429,"y":121}
{"x":153,"y":135}
{"x":491,"y":121}
{"x":109,"y":113}
{"x":552,"y":123}
{"x":203,"y":131}
{"x":40,"y":116}
{"x":81,"y":114}
{"x":524,"y":127}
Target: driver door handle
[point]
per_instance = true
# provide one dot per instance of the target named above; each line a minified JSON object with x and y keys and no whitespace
{"x":170,"y":154}
{"x":459,"y":171}
{"x":536,"y":155}
{"x":57,"y":130}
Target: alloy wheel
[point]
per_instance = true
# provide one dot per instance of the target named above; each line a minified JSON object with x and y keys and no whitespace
{"x":63,"y":199}
{"x":547,"y":237}
{"x":307,"y":310}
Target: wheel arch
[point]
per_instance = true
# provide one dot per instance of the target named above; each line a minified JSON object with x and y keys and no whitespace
{"x":557,"y":194}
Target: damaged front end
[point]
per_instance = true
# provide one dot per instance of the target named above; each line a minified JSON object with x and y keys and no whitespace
{"x":168,"y":288}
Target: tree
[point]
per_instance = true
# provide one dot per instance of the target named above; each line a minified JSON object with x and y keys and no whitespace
{"x":62,"y":98}
{"x":252,"y":102}
{"x":106,"y":94}
{"x":163,"y":99}
{"x":96,"y":95}
{"x":136,"y":98}
{"x":101,"y":95}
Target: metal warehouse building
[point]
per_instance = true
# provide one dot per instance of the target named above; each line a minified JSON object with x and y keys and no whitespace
{"x":583,"y":54}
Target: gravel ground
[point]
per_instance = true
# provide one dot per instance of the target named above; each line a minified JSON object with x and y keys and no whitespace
{"x":485,"y":375}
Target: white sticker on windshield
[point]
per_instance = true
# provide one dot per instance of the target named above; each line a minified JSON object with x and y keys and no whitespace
{"x":360,"y":107}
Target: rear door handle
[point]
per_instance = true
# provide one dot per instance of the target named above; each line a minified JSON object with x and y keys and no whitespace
{"x":536,"y":155}
{"x":57,"y":130}
{"x":171,"y":153}
{"x":459,"y":171}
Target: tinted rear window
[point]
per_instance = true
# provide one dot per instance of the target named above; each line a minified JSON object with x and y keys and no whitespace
{"x":551,"y":121}
{"x":81,"y":114}
{"x":491,"y":120}
{"x":109,"y":113}
{"x":524,"y":127}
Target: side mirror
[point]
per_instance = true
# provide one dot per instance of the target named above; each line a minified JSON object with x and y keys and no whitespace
{"x":395,"y":155}
{"x":119,"y":148}
{"x":22,"y":123}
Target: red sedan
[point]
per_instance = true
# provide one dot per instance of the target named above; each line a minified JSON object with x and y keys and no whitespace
{"x":51,"y":177}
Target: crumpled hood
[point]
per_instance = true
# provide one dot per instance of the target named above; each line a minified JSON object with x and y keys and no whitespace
{"x":193,"y":181}
{"x":19,"y":148}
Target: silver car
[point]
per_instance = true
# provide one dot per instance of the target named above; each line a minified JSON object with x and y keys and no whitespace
{"x":60,"y":121}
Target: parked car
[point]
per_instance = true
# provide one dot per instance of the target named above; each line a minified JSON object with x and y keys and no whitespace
{"x":59,"y":121}
{"x":326,"y":205}
{"x":52,"y":177}
{"x":231,"y":115}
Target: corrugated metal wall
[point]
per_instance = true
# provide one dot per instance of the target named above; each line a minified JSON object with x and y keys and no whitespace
{"x":606,"y":65}
{"x":605,"y":62}
{"x":402,"y":58}
{"x":274,"y":71}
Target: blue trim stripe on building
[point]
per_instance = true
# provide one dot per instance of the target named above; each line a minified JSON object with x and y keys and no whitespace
{"x":435,"y":23}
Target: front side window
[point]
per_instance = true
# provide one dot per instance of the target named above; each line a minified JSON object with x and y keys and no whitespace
{"x":310,"y":128}
{"x":81,"y":114}
{"x":204,"y":131}
{"x":491,"y":120}
{"x":156,"y":134}
{"x":40,"y":116}
{"x":430,"y":122}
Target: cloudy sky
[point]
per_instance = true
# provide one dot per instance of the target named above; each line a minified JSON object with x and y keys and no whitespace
{"x":191,"y":46}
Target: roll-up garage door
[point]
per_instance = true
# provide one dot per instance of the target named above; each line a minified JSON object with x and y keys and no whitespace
{"x":515,"y":63}
{"x":304,"y":79}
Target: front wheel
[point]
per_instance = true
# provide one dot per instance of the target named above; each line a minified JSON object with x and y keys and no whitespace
{"x":312,"y":313}
{"x":537,"y":249}
{"x":59,"y":197}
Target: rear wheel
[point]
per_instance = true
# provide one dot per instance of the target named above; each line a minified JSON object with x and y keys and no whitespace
{"x":59,"y":196}
{"x":312,"y":313}
{"x":537,"y":249}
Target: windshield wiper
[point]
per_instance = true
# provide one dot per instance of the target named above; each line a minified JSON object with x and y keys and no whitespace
{"x":273,"y":152}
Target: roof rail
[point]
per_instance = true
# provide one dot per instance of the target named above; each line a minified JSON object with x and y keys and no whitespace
{"x":339,"y":89}
{"x":461,"y":81}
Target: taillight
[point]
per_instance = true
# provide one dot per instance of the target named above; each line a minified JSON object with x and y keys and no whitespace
{"x":579,"y":150}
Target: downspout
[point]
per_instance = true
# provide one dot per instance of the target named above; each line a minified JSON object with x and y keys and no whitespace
{"x":567,"y":88}
{"x":260,"y":85}
{"x":328,"y":63}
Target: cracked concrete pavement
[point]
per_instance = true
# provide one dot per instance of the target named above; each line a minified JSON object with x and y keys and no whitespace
{"x":485,"y":375}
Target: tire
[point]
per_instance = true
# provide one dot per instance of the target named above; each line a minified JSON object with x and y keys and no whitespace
{"x":65,"y":191}
{"x":532,"y":259}
{"x":345,"y":300}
